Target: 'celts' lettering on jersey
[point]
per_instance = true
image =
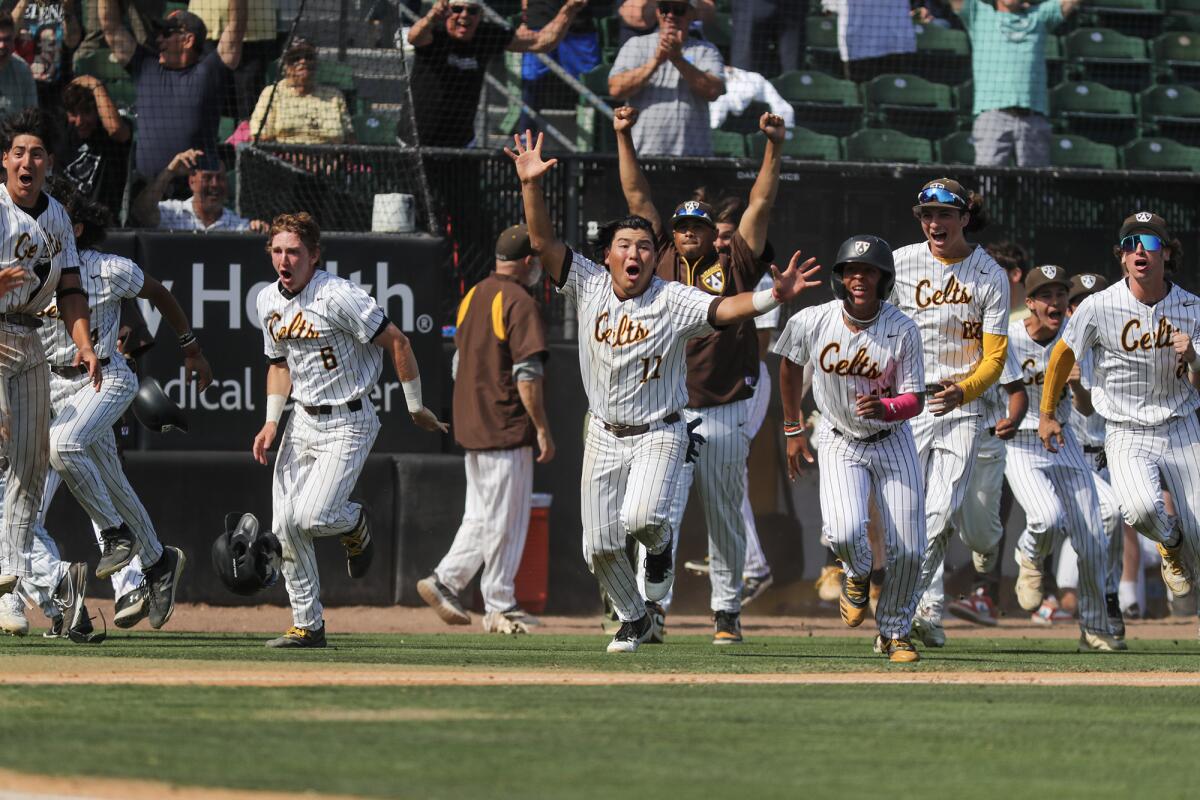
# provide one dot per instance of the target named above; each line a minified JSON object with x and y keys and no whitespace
{"x":324,"y":333}
{"x":1026,"y":362}
{"x":43,"y":244}
{"x":953,"y":306}
{"x":632,"y":352}
{"x":885,"y":359}
{"x":1137,"y":378}
{"x":108,"y":280}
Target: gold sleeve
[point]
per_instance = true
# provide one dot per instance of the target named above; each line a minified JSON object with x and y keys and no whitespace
{"x":1062,"y":359}
{"x":995,"y":350}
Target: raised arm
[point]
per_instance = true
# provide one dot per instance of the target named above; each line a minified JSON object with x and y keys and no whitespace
{"x":753,"y":226}
{"x":421,"y":33}
{"x":145,"y":205}
{"x":527,"y":157}
{"x":114,"y":124}
{"x":229,"y":47}
{"x":397,"y":346}
{"x":1068,"y":6}
{"x":118,"y":37}
{"x":194,"y":362}
{"x":633,"y":181}
{"x":547,"y":38}
{"x":788,"y":285}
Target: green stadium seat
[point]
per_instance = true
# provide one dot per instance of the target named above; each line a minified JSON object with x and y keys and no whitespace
{"x":943,"y":54}
{"x":1055,"y":60}
{"x":1108,"y":57}
{"x":1177,"y":57}
{"x":1183,"y":22}
{"x":122,"y":93}
{"x":731,"y":145}
{"x":596,"y":79}
{"x":1081,"y":153}
{"x":964,"y":101}
{"x":823,"y":103}
{"x":957,"y":148}
{"x":804,"y":145}
{"x":100,"y":64}
{"x":720,"y":32}
{"x":821,"y":44}
{"x":1142,"y":18}
{"x":1160,"y":155}
{"x":746,"y":123}
{"x":1186,"y":6}
{"x":225,"y":128}
{"x":1172,"y":112}
{"x":610,"y":28}
{"x":375,"y":128}
{"x":910,"y":104}
{"x":892,"y":147}
{"x":1095,"y":111}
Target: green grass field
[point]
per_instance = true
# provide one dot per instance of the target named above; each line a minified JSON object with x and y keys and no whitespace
{"x":603,"y":741}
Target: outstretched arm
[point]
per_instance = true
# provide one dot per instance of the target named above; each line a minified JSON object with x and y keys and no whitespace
{"x":547,"y":38}
{"x":753,"y":226}
{"x":788,"y":285}
{"x":530,"y":168}
{"x":193,"y":357}
{"x":118,"y":37}
{"x":633,"y":181}
{"x":229,"y":46}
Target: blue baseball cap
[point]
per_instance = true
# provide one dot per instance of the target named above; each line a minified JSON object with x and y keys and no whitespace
{"x":694,"y":209}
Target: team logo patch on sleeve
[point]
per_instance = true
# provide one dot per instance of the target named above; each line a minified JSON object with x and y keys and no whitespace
{"x":713,"y":279}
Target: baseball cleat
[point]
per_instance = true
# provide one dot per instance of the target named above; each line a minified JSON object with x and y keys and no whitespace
{"x":56,"y":630}
{"x":443,"y":601}
{"x":513,"y":621}
{"x":984,"y":562}
{"x":1116,"y":623}
{"x":116,"y":550}
{"x":660,"y":574}
{"x":854,"y":599}
{"x":8,"y":583}
{"x":631,"y":634}
{"x":162,"y":580}
{"x":131,"y":607}
{"x":899,"y":650}
{"x":929,"y":631}
{"x":697,"y":567}
{"x":658,"y":624}
{"x":1029,"y":582}
{"x":829,"y":583}
{"x":728,"y":627}
{"x":12,"y":615}
{"x":1091,"y":642}
{"x":753,"y":588}
{"x":1174,"y":571}
{"x":70,"y":593}
{"x":976,"y":607}
{"x":360,"y":550}
{"x":300,"y":637}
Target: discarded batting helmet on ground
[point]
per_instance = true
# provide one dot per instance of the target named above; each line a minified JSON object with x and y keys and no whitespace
{"x":246,"y":559}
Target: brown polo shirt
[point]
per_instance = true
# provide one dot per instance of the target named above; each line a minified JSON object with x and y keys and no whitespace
{"x":498,"y":326}
{"x":722,"y":366}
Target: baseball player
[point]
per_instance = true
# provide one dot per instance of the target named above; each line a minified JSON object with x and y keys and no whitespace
{"x":958,"y":296}
{"x":499,"y":415}
{"x":868,"y":380}
{"x":723,"y":366}
{"x":1056,"y":490}
{"x":325,"y":338}
{"x":632,"y":355}
{"x":1141,"y":333}
{"x":37,"y":244}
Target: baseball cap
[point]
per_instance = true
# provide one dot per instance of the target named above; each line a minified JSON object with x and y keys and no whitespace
{"x":694,"y":209}
{"x":1046,"y":275}
{"x":513,"y":244}
{"x":187,"y":22}
{"x":1144,"y":222}
{"x":942,"y":193}
{"x":298,"y":49}
{"x":1084,"y":284}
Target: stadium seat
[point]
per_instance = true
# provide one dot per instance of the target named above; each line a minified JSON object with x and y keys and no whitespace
{"x":957,"y":148}
{"x":100,"y":64}
{"x":609,"y":27}
{"x":1172,"y":112}
{"x":964,"y":101}
{"x":804,"y":145}
{"x":747,"y":121}
{"x":720,"y":33}
{"x":596,"y":79}
{"x":910,"y":104}
{"x":1108,"y":57}
{"x":374,"y":128}
{"x":1095,"y":111}
{"x":1081,"y":153}
{"x":1186,"y":6}
{"x":1055,"y":60}
{"x":1177,"y":57}
{"x":225,"y":128}
{"x":1142,"y":18}
{"x":821,"y":44}
{"x":1160,"y":155}
{"x":823,"y":103}
{"x":943,"y":54}
{"x":1183,"y":22}
{"x":731,"y":145}
{"x":892,"y":147}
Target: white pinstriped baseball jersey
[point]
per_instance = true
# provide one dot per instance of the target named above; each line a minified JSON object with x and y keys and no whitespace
{"x":1137,"y":377}
{"x":953,"y":305}
{"x":1026,"y":363}
{"x":39,"y":246}
{"x":108,"y":280}
{"x":631,"y":352}
{"x":324,"y":333}
{"x":885,"y":359}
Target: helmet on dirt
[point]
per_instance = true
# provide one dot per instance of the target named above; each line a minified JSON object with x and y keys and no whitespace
{"x":246,"y":559}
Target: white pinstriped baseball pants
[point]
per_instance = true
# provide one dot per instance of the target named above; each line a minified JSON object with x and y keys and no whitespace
{"x":319,"y":461}
{"x":627,"y":488}
{"x":756,"y":565}
{"x":1058,"y":493}
{"x":979,"y":524}
{"x":494,"y":525}
{"x":890,"y":469}
{"x":25,"y":413}
{"x":1067,"y":572}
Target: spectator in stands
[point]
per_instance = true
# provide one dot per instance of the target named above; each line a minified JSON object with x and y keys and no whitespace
{"x":98,"y":143}
{"x":144,"y":16}
{"x":1008,"y":61}
{"x":874,"y":36}
{"x":297,"y":110}
{"x":757,"y":22}
{"x":453,"y":46}
{"x":638,"y":17}
{"x":577,"y":53}
{"x":671,"y":77}
{"x":47,"y":33}
{"x":17,"y":90}
{"x":179,"y":87}
{"x":743,"y":88}
{"x":204,"y":211}
{"x":260,"y":46}
{"x":935,"y":12}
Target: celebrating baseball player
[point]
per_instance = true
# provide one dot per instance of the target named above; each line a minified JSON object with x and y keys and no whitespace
{"x":635,"y":327}
{"x":722,"y":367}
{"x":325,"y":338}
{"x":499,"y":414}
{"x":868,"y":380}
{"x":1142,"y":334}
{"x":958,"y":296}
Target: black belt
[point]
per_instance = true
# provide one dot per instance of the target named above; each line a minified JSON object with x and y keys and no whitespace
{"x":24,"y":320}
{"x":316,"y":411}
{"x":75,"y":370}
{"x":1092,"y":449}
{"x":872,"y":439}
{"x":621,"y":431}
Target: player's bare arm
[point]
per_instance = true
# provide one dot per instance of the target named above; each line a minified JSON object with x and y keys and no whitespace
{"x":194,"y":361}
{"x":753,"y":227}
{"x":527,"y":157}
{"x":397,"y":346}
{"x":548,"y":38}
{"x":73,"y":305}
{"x":633,"y":181}
{"x":791,"y":393}
{"x":532,"y":393}
{"x":421,"y":33}
{"x":229,"y":46}
{"x":1062,"y":358}
{"x":1018,"y":405}
{"x":279,"y":386}
{"x":788,"y":285}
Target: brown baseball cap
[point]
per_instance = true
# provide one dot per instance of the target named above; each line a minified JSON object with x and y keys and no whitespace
{"x":513,"y":244}
{"x":1046,"y":275}
{"x":942,"y":193}
{"x":1085,"y":283}
{"x":1145,"y":222}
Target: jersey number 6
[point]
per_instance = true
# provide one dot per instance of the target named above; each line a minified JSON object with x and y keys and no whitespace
{"x":328,"y":358}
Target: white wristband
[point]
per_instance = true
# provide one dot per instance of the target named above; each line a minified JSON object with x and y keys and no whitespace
{"x":412,"y":394}
{"x":275,"y":404}
{"x":1194,"y":365}
{"x":764,"y":301}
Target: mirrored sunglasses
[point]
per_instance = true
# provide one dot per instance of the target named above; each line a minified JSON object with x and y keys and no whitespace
{"x":1148,"y":241}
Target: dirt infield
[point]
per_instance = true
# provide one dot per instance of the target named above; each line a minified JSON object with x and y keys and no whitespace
{"x":22,"y":786}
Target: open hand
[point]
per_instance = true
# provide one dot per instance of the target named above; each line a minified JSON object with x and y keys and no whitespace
{"x":1051,"y":433}
{"x":426,"y":420}
{"x":87,"y":358}
{"x":946,"y":400}
{"x":528,"y":158}
{"x":198,"y":369}
{"x":795,"y":279}
{"x":868,"y":406}
{"x":798,"y":455}
{"x":263,"y":441}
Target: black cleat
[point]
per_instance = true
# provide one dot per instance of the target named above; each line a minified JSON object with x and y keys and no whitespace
{"x":116,"y":551}
{"x":162,"y":580}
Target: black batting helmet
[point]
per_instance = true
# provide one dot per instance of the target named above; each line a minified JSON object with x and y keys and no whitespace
{"x":865,"y":249}
{"x":155,"y":410}
{"x":246,"y":559}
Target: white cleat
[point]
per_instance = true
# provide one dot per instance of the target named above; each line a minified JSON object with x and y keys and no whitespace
{"x":8,"y":583}
{"x":929,"y":631}
{"x":1090,"y":642}
{"x":1029,"y":583}
{"x":631,"y":635}
{"x":12,"y":615}
{"x":660,"y":574}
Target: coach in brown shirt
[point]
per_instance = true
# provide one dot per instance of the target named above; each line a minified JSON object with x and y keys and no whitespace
{"x":722,"y":367}
{"x":499,"y":414}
